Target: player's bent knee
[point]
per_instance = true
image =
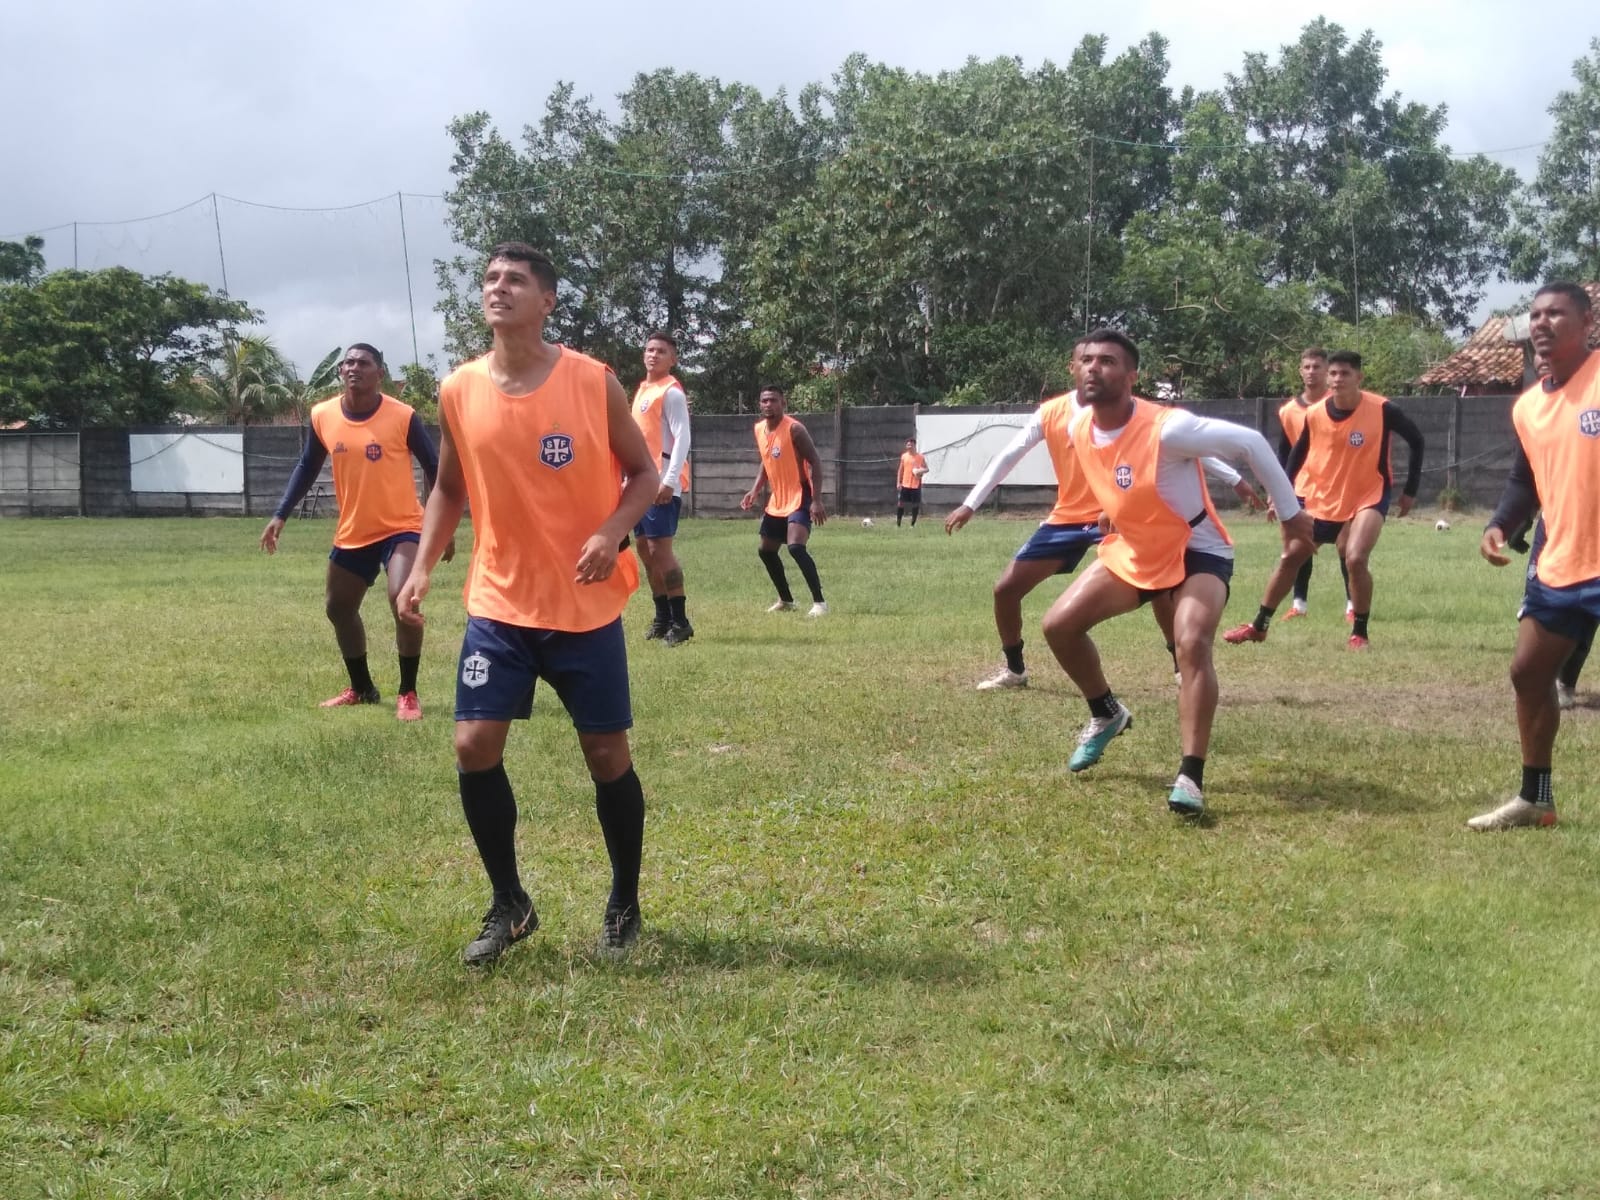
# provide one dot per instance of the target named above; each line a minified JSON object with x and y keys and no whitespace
{"x":606,"y":755}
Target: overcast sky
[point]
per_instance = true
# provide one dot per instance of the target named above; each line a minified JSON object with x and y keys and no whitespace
{"x":118,"y":110}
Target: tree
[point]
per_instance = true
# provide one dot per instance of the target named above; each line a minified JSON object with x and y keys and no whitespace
{"x":301,"y":394}
{"x":22,"y":262}
{"x":246,"y":383}
{"x":111,"y":347}
{"x":1558,"y":218}
{"x":421,"y":390}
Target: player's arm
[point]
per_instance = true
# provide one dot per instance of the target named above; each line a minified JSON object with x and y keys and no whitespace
{"x":1216,"y":469}
{"x":749,"y":499}
{"x":1518,"y":502}
{"x":807,"y":450}
{"x":305,"y":472}
{"x":641,"y":482}
{"x":1197,"y":437}
{"x":427,"y":455}
{"x":447,"y":500}
{"x":1297,"y":455}
{"x":675,"y":412}
{"x":1001,"y":465}
{"x":1395,"y":421}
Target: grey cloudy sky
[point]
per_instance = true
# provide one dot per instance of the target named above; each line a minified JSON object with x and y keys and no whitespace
{"x":119,"y":109}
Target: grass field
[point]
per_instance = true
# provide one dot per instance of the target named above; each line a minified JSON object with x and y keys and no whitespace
{"x":892,"y":947}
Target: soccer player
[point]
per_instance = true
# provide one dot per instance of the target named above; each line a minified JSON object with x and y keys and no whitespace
{"x":791,"y":469}
{"x":1557,"y":423}
{"x":1058,"y":545}
{"x":540,"y":440}
{"x":1140,"y":460}
{"x":662,"y":412}
{"x":372,"y":438}
{"x":909,"y":480}
{"x":1344,"y":449}
{"x":1292,"y":420}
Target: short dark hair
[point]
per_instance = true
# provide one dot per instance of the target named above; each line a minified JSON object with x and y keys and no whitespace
{"x":774,"y":389}
{"x":537,"y":261}
{"x":661,"y":335}
{"x":1116,"y":337}
{"x":1573,"y":291}
{"x":1314,"y":352}
{"x":1348,"y":358}
{"x":369,"y":348}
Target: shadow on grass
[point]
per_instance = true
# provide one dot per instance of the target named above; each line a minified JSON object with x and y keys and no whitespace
{"x":1302,"y":788}
{"x":710,"y":950}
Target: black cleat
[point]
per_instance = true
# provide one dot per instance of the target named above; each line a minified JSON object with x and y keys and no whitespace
{"x":506,"y":922}
{"x":620,"y":928}
{"x":658,"y":629}
{"x":678,"y":633}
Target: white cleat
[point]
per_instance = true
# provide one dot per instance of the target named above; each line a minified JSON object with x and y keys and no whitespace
{"x":1005,"y":677}
{"x":819,"y":609}
{"x":1515,"y":813}
{"x":1566,"y":697}
{"x":781,"y":606}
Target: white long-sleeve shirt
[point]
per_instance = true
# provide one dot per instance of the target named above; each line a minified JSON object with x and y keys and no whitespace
{"x":674,"y":438}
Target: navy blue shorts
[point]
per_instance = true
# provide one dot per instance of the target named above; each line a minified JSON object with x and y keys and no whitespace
{"x":910,"y":495}
{"x":776,"y":529}
{"x":1569,"y":612}
{"x":364,"y":561}
{"x":501,"y":663}
{"x":1325,"y":533}
{"x":660,"y":520}
{"x":1065,"y":543}
{"x":1198,"y":562}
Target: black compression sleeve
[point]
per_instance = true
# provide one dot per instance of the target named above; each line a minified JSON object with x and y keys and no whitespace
{"x":1395,"y":421}
{"x":1520,"y":499}
{"x":303,"y":476}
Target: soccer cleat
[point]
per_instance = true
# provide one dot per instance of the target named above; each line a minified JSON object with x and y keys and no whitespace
{"x":506,"y":922}
{"x":1292,"y":614}
{"x":819,"y":609}
{"x":658,"y":629}
{"x":619,"y":929}
{"x":1186,"y":799}
{"x":1244,"y":633}
{"x":1515,"y":813}
{"x":1005,"y":677}
{"x":1349,"y":615}
{"x":678,"y":633}
{"x":1566,"y":695}
{"x":1096,"y":736}
{"x":407,"y":707}
{"x":1357,"y":642}
{"x":781,"y":606}
{"x":350,"y":696}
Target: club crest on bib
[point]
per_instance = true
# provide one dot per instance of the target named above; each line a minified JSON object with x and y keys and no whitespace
{"x":1357,"y":438}
{"x":1124,"y":476}
{"x":555,"y":450}
{"x":1589,"y":422}
{"x":644,"y":405}
{"x":776,"y":451}
{"x":475,"y":670}
{"x":374,"y":451}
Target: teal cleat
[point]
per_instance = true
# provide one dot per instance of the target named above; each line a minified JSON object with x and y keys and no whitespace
{"x":1096,"y":736}
{"x":1186,"y":799}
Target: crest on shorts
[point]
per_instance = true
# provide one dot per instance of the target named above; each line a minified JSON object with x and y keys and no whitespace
{"x":474,"y":670}
{"x":1589,"y":422}
{"x":555,"y":450}
{"x":1124,"y":476}
{"x":374,"y":451}
{"x":1357,"y":438}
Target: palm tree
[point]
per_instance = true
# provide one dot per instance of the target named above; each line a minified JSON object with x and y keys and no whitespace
{"x":322,"y":383}
{"x":244,"y":384}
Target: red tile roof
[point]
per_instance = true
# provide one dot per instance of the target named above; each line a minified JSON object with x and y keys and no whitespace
{"x":1488,"y":358}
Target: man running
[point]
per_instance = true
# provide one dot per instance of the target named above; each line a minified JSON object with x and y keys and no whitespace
{"x":662,"y":412}
{"x":372,"y":439}
{"x":791,"y":469}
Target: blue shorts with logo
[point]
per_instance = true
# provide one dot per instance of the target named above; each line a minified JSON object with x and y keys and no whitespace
{"x":1325,"y":533}
{"x":365,"y":560}
{"x":501,"y":663}
{"x":1066,"y":543}
{"x":660,"y":520}
{"x":1569,"y":612}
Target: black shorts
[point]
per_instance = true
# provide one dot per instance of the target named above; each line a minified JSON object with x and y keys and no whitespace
{"x":776,"y":529}
{"x":1197,"y":562}
{"x":911,"y":495}
{"x":1325,"y":533}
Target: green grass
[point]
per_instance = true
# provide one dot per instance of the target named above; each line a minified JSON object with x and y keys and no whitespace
{"x":893,"y":947}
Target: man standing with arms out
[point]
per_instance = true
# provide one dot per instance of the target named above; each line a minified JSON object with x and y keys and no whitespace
{"x":373,"y":439}
{"x":662,"y":412}
{"x":1141,"y":462}
{"x":909,"y":480}
{"x":792,"y":471}
{"x":1344,"y":449}
{"x":539,"y":438}
{"x":1292,"y":419}
{"x":1557,"y":422}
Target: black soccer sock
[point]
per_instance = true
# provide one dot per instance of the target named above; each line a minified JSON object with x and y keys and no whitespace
{"x":808,"y":568}
{"x":1173,"y":650}
{"x":774,"y":565}
{"x":408,"y":672}
{"x":1194,"y":767}
{"x":915,"y":509}
{"x":898,"y":514}
{"x":1359,"y":628}
{"x":620,"y":807}
{"x":677,"y":610}
{"x":491,"y":812}
{"x":1344,"y":569}
{"x":1536,"y":785}
{"x":1302,"y":582}
{"x":663,"y":609}
{"x":1264,"y":617}
{"x":1014,"y":658}
{"x":360,"y":677}
{"x":1103,"y":706}
{"x":1573,"y":667}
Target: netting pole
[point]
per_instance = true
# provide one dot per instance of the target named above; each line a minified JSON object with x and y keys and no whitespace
{"x":1088,"y":245}
{"x":74,"y":245}
{"x":216,"y":220}
{"x":405,"y":254}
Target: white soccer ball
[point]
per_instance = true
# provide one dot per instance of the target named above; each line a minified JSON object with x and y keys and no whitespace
{"x":866,"y":522}
{"x":1441,"y":525}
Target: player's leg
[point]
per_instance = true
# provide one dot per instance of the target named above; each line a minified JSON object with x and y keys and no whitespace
{"x":347,"y":585}
{"x":661,"y":523}
{"x":1095,"y":596}
{"x":402,"y":557}
{"x":774,"y":531}
{"x":1019,"y":578}
{"x":1567,"y":680}
{"x":1355,"y":550}
{"x":799,"y":533}
{"x":916,"y":506}
{"x":1279,"y":584}
{"x":1197,"y":608}
{"x":1302,"y":590}
{"x":646,"y":548}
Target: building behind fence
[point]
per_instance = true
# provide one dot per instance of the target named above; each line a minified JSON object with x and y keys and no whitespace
{"x":108,"y":472}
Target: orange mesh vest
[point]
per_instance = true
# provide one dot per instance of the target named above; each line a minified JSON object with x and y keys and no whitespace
{"x":786,"y":474}
{"x":1075,"y":499}
{"x":1560,"y":433}
{"x":909,"y":463}
{"x":1341,"y":475}
{"x":371,"y":471}
{"x":541,"y":480}
{"x":1292,"y":417}
{"x":650,"y":415}
{"x":1146,"y":550}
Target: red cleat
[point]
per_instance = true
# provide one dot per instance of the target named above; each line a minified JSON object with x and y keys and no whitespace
{"x":1349,"y":616}
{"x":1292,"y":614}
{"x":1244,"y":633}
{"x":348,"y":697}
{"x":408,"y":707}
{"x":1356,"y":642}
